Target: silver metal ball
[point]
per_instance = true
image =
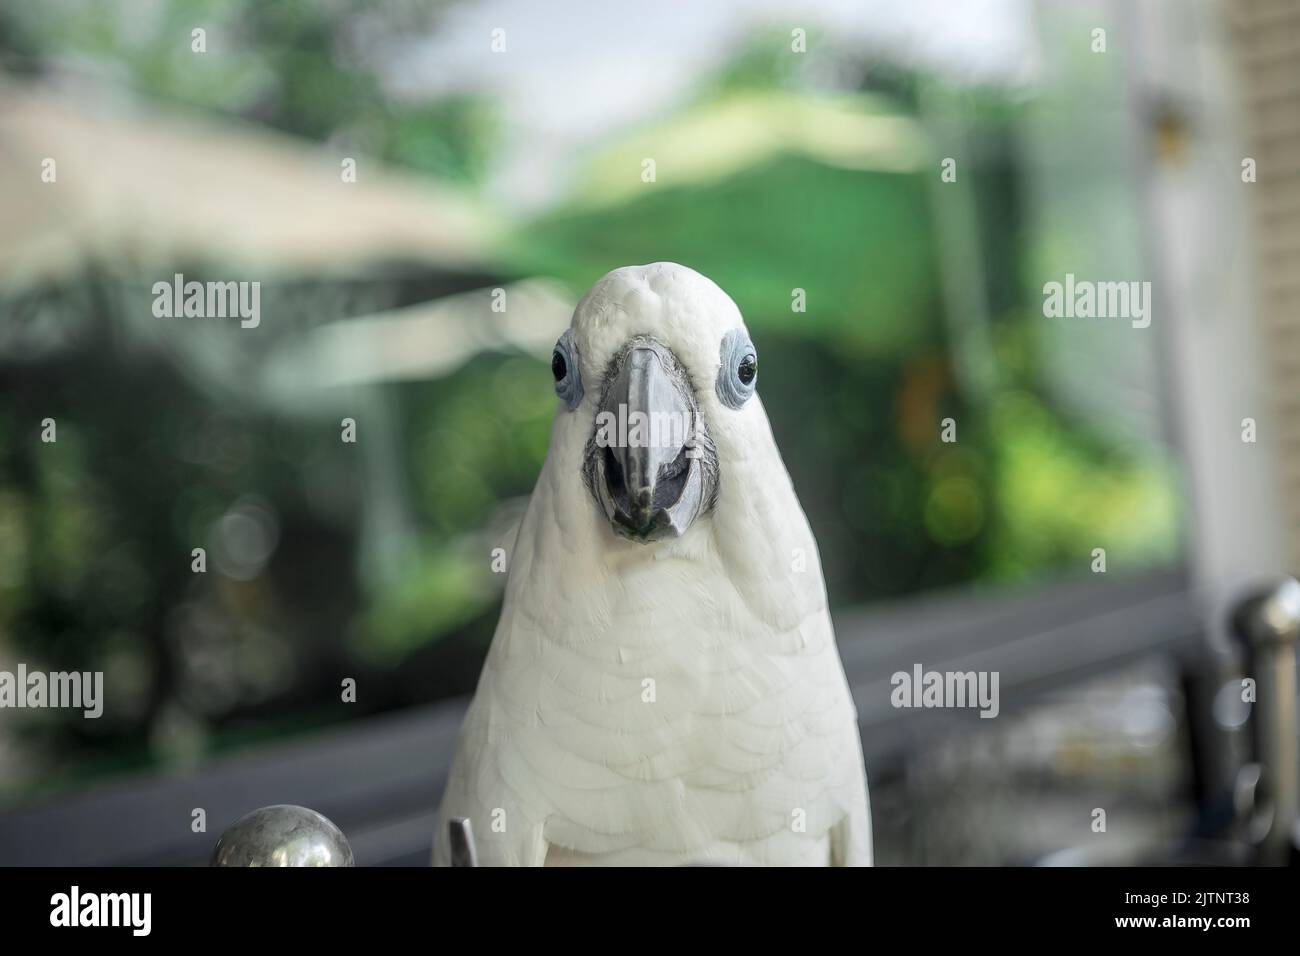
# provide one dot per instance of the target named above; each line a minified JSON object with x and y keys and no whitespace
{"x":282,"y":835}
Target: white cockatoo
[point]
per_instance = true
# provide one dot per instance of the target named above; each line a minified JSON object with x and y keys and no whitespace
{"x":664,"y":685}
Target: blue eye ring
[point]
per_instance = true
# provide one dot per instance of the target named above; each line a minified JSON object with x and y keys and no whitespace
{"x":567,"y":371}
{"x":738,"y":373}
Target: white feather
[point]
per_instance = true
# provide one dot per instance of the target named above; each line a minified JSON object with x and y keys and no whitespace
{"x":752,"y":730}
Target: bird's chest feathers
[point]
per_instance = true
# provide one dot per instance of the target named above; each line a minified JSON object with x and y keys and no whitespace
{"x":662,"y":674}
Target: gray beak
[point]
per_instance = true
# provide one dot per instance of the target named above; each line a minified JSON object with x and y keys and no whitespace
{"x":650,"y":464}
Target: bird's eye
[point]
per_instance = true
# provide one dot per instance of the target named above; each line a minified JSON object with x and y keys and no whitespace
{"x":567,"y":372}
{"x":738,"y":373}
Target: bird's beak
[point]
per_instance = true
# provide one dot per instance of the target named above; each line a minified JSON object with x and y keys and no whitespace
{"x":648,"y":461}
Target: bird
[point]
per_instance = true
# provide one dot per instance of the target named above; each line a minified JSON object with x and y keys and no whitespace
{"x":663,"y":686}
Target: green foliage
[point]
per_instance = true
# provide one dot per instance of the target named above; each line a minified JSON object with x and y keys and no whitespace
{"x":858,"y":243}
{"x":305,"y":67}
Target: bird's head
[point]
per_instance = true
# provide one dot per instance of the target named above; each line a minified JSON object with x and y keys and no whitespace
{"x":655,"y":373}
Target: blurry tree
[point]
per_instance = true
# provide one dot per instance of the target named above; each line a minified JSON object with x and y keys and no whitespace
{"x":307,"y":67}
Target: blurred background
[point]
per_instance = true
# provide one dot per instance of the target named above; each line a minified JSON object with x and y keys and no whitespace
{"x":498,"y":153}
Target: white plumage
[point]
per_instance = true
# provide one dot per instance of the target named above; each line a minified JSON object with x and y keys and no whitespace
{"x":677,"y":701}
